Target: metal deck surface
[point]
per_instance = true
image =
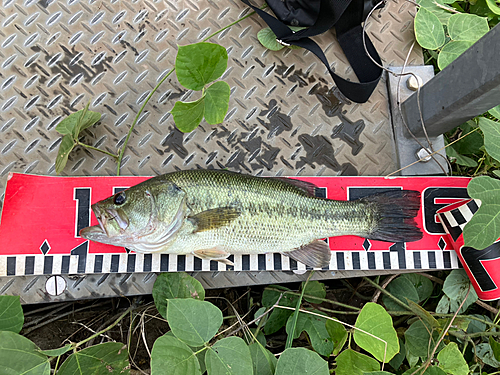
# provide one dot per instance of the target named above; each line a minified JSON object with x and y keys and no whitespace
{"x":283,"y":119}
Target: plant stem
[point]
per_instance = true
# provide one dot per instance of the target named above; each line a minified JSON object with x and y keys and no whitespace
{"x":105,"y":329}
{"x":295,"y":317}
{"x":57,"y":364}
{"x":97,"y":149}
{"x":122,"y":151}
{"x":397,"y":300}
{"x":318,"y":298}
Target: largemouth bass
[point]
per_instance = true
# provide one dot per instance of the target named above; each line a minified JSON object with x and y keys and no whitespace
{"x":213,"y":214}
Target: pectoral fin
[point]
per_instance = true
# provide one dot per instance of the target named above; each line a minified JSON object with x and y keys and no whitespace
{"x":215,"y":218}
{"x":214,"y":254}
{"x":316,"y":254}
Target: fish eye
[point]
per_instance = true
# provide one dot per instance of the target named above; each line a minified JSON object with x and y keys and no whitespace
{"x":120,"y":199}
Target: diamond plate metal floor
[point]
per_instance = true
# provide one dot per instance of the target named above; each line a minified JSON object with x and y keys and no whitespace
{"x":55,"y":56}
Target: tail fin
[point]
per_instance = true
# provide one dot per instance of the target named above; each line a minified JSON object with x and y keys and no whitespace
{"x":395,"y":213}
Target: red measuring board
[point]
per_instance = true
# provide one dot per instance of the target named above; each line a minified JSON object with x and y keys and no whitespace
{"x":42,"y":216}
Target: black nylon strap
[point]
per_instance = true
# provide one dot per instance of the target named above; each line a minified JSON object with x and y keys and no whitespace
{"x":350,"y":37}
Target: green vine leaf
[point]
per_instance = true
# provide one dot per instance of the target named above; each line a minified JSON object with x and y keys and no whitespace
{"x":451,"y":51}
{"x":459,"y":158}
{"x":338,"y":334}
{"x":267,"y":38}
{"x":66,"y":146}
{"x":199,"y":64}
{"x":188,"y":115}
{"x":418,"y":339}
{"x":229,"y":356}
{"x":440,"y":13}
{"x":171,"y":285}
{"x":467,"y":27}
{"x":315,"y":328}
{"x":77,"y":122}
{"x":350,"y":362}
{"x":495,"y":112}
{"x":495,"y":347}
{"x":18,"y":355}
{"x":216,"y":102}
{"x":11,"y":314}
{"x":172,"y":354}
{"x":375,"y":320}
{"x":264,"y":362}
{"x":493,"y":5}
{"x":431,"y":370}
{"x":491,"y":131}
{"x":278,"y":317}
{"x":314,"y":289}
{"x":101,"y":359}
{"x":452,"y":361}
{"x":485,"y":353}
{"x":428,"y":30}
{"x":402,"y":288}
{"x":300,"y":361}
{"x":193,"y":321}
{"x":483,"y":229}
{"x":57,"y":352}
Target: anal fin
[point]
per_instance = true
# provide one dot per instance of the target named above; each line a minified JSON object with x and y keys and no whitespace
{"x":316,"y":254}
{"x":214,"y":254}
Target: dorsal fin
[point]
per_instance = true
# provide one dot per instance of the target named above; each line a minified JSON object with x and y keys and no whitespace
{"x":307,"y":187}
{"x":214,"y":218}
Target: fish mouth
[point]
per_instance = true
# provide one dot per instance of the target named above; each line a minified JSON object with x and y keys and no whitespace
{"x":104,"y":217}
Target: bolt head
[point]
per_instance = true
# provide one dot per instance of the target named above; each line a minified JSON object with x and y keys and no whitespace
{"x":414,"y":82}
{"x":424,"y":155}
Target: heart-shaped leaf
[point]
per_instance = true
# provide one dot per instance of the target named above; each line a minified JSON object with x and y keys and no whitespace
{"x":171,"y":285}
{"x":66,"y":146}
{"x":188,"y":115}
{"x":172,"y":354}
{"x":193,"y":321}
{"x":375,"y":320}
{"x":18,"y":355}
{"x":432,"y":7}
{"x":200,"y":63}
{"x":314,"y":289}
{"x":495,"y":112}
{"x":101,"y":359}
{"x":267,"y":38}
{"x":452,"y":361}
{"x":229,"y":356}
{"x":428,"y":30}
{"x":264,"y":362}
{"x":481,"y":231}
{"x":467,"y":27}
{"x":493,"y":5}
{"x":338,"y":334}
{"x":11,"y":314}
{"x":451,"y":51}
{"x":316,"y":330}
{"x":491,"y":131}
{"x":216,"y":102}
{"x":300,"y":361}
{"x":350,"y":362}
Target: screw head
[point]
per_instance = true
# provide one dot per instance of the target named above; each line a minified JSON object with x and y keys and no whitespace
{"x":55,"y":285}
{"x":414,"y":82}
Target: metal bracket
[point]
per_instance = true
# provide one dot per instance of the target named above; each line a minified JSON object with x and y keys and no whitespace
{"x":46,"y":288}
{"x":408,"y":150}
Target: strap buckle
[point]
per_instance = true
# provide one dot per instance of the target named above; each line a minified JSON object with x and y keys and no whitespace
{"x":283,"y":43}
